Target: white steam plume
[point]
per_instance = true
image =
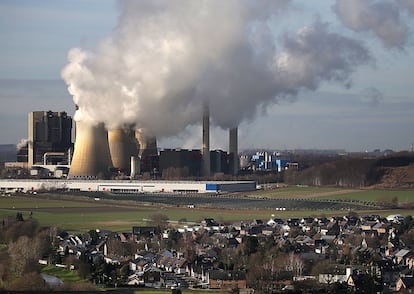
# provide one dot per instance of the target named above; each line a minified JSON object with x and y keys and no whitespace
{"x":21,"y":144}
{"x":166,"y":58}
{"x":407,"y":4}
{"x":383,"y":18}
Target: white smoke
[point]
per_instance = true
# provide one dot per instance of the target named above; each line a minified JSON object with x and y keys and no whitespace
{"x":21,"y":144}
{"x":407,"y":4}
{"x":383,"y":18}
{"x":166,"y":58}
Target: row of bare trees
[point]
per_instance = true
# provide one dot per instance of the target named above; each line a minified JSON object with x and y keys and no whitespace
{"x":22,"y":244}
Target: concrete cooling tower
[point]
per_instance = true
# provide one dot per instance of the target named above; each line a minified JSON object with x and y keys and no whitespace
{"x":147,"y":144}
{"x":122,"y":145}
{"x":91,"y":157}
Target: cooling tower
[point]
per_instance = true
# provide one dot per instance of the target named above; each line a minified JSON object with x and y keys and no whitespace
{"x":122,"y":145}
{"x":233,"y":150}
{"x":206,"y":141}
{"x":91,"y":158}
{"x":147,"y":144}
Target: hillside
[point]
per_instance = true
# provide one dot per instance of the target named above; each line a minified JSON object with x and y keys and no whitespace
{"x":389,"y":172}
{"x":397,"y":178}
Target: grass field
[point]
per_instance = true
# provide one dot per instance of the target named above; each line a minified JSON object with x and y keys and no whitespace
{"x":146,"y":291}
{"x":376,"y":195}
{"x":300,"y":192}
{"x":183,"y":291}
{"x":63,"y":274}
{"x":82,"y":214}
{"x":296,"y":192}
{"x":32,"y":202}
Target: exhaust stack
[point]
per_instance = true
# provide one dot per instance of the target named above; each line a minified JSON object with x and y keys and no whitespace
{"x":206,"y":141}
{"x":233,"y":151}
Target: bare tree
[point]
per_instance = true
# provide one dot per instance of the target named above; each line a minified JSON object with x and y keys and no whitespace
{"x":23,"y":252}
{"x":159,"y":220}
{"x":29,"y":282}
{"x":294,"y":264}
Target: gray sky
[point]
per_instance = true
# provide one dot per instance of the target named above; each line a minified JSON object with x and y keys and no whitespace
{"x":360,"y":99}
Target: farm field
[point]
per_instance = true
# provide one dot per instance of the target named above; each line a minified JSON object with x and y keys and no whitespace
{"x":79,"y":213}
{"x":329,"y":193}
{"x":300,"y":192}
{"x":403,"y":196}
{"x":169,"y":291}
{"x":146,"y":291}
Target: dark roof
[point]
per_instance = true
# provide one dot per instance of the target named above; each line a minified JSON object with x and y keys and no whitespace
{"x":144,"y":230}
{"x":408,"y":281}
{"x":227,"y":275}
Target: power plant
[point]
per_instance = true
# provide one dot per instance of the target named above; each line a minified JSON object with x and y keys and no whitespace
{"x":99,"y":153}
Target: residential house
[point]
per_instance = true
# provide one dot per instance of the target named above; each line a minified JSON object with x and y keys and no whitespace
{"x":401,"y":255}
{"x":405,"y":283}
{"x":220,"y":279}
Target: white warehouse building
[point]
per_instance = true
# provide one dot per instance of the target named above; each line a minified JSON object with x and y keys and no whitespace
{"x":127,"y":187}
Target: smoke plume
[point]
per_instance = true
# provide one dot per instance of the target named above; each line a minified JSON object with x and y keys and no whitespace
{"x":383,"y":18}
{"x":165,"y":59}
{"x":21,"y":144}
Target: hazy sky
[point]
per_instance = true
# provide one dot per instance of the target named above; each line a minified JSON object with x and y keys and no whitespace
{"x":324,"y":74}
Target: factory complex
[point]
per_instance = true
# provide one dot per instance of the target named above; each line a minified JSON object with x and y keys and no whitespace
{"x":119,"y":161}
{"x":125,"y":186}
{"x":123,"y":152}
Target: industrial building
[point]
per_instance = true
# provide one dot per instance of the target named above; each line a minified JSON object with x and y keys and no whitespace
{"x":148,"y":153}
{"x":219,"y":162}
{"x":176,"y":163}
{"x":266,"y":161}
{"x":50,"y":137}
{"x":99,"y":153}
{"x":126,"y":187}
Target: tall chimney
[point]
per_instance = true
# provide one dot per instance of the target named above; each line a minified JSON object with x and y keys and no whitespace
{"x":91,"y":157}
{"x":206,"y":141}
{"x":233,"y":151}
{"x":122,"y":145}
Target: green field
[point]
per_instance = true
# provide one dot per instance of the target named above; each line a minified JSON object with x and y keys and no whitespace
{"x":295,"y":192}
{"x":328,"y":193}
{"x":183,"y":291}
{"x":146,"y":291}
{"x":82,"y":213}
{"x":376,"y":196}
{"x":63,"y":274}
{"x":32,"y":202}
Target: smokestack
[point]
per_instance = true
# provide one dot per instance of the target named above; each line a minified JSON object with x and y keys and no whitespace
{"x":122,"y":145}
{"x":206,"y":141}
{"x":233,"y":150}
{"x":91,"y":157}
